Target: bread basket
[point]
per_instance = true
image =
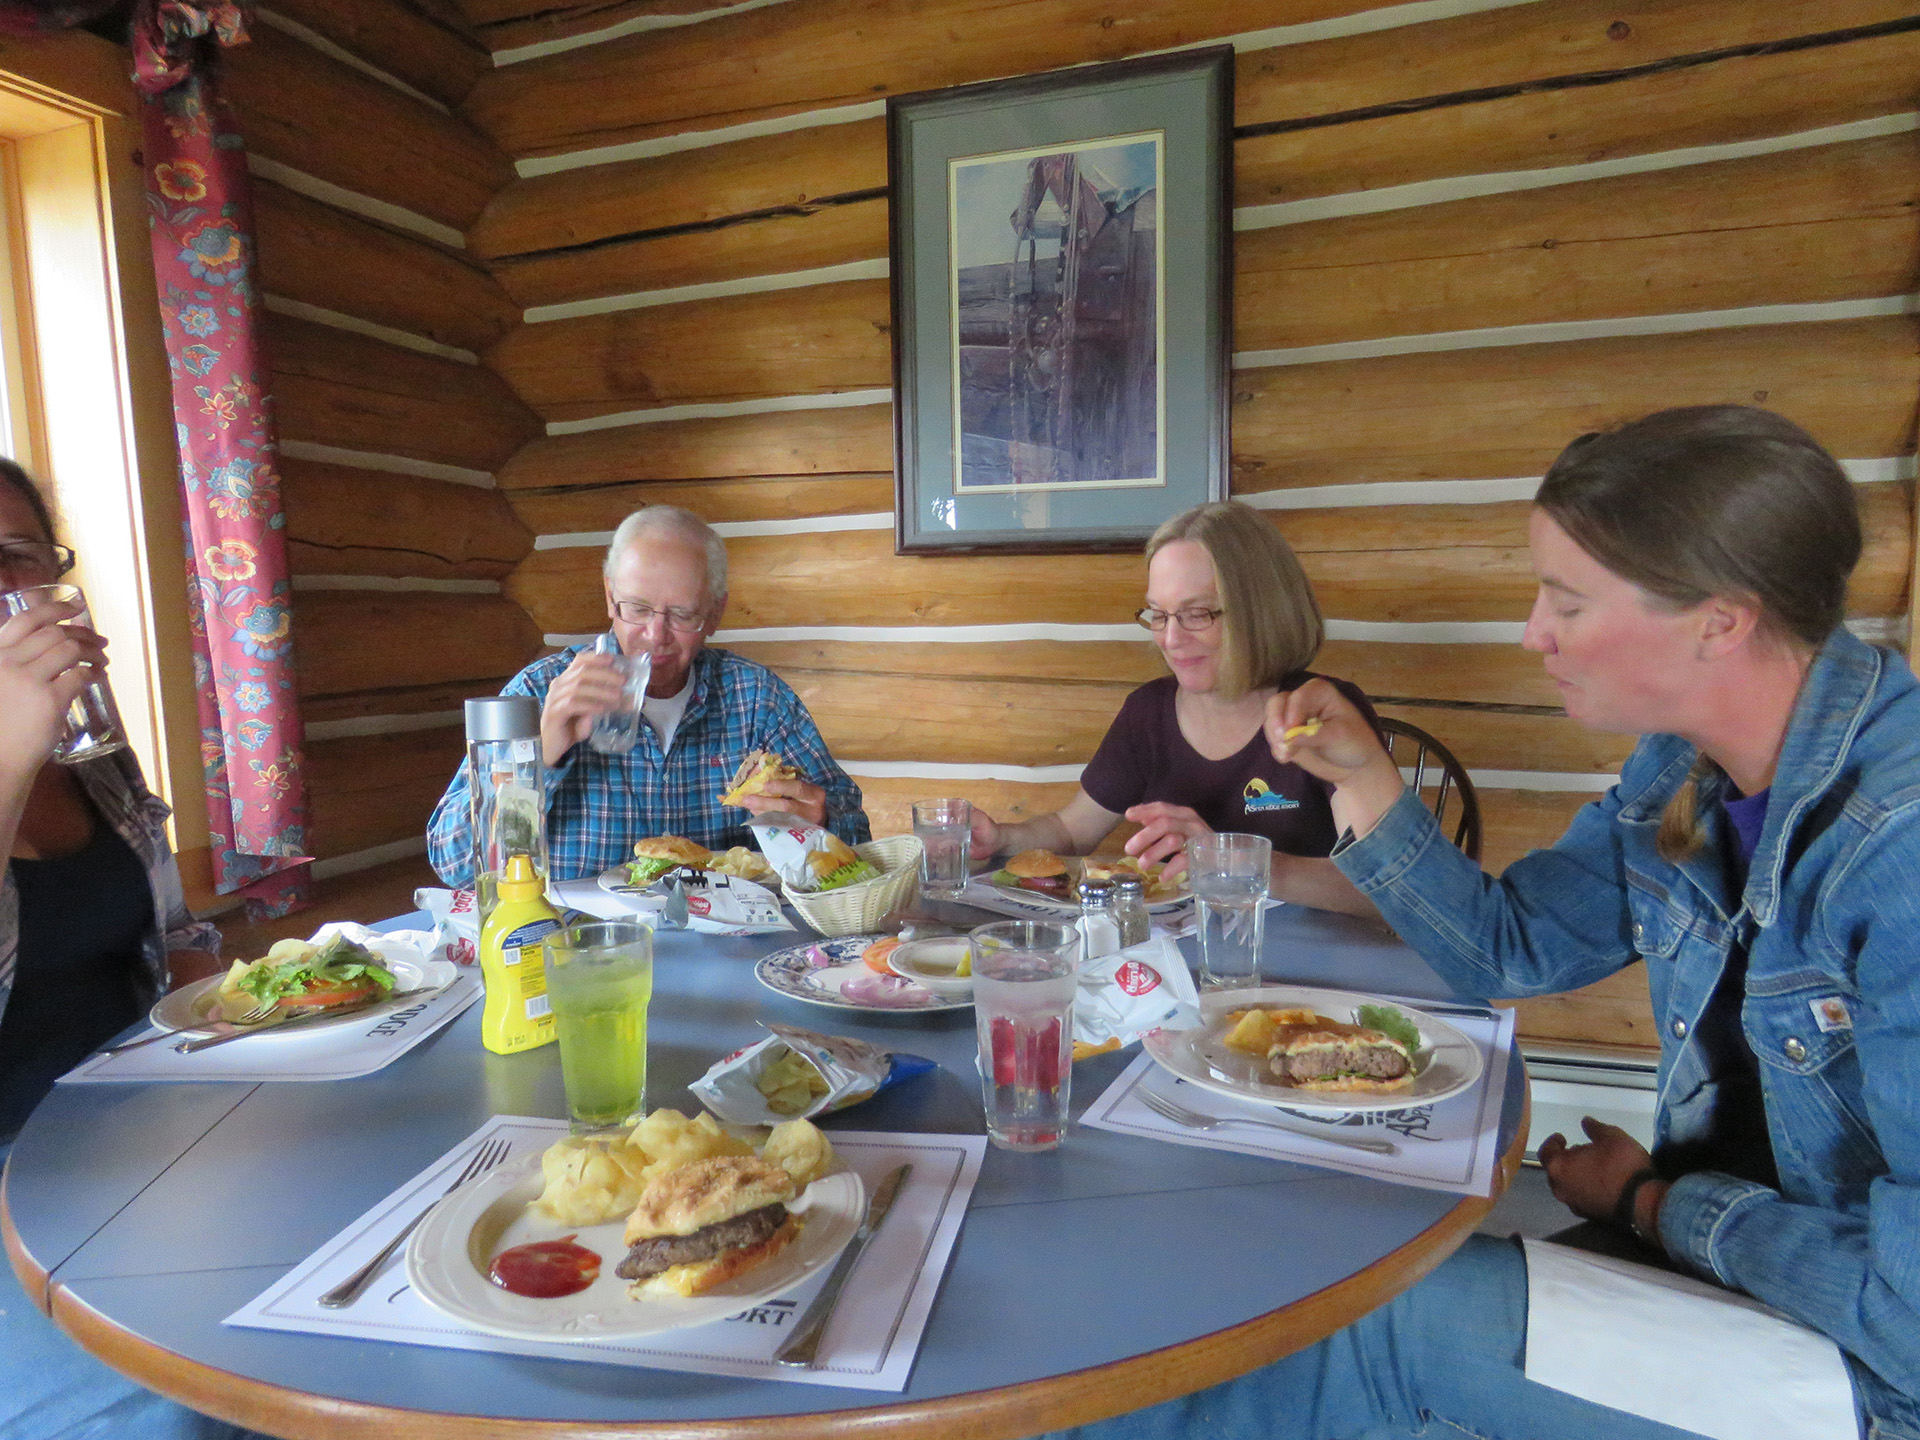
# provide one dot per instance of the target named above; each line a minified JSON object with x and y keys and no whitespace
{"x":854,"y":908}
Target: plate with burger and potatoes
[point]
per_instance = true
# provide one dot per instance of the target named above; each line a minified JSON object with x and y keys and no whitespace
{"x":1308,"y":1049}
{"x":1053,"y":880}
{"x":616,"y":1237}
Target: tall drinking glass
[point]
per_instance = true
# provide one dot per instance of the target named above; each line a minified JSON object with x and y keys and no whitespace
{"x":618,"y":731}
{"x":93,"y":722}
{"x":1230,"y":874}
{"x":1023,"y":986}
{"x":945,"y":830}
{"x":599,"y":980}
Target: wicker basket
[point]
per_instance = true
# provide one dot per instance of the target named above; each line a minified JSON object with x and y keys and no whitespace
{"x":854,"y":908}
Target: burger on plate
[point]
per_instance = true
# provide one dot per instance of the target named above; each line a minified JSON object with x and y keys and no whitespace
{"x":1040,"y":870}
{"x":703,"y":1224}
{"x":663,"y":853}
{"x":302,"y":978}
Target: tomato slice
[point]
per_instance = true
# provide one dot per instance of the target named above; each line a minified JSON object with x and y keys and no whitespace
{"x":327,"y":997}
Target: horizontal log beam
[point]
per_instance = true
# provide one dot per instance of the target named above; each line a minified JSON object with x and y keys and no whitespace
{"x":1836,"y":222}
{"x":1615,"y":1011}
{"x":790,"y":58}
{"x":528,"y":22}
{"x":367,"y":790}
{"x":343,"y":521}
{"x":326,"y":257}
{"x":349,"y":641}
{"x":1728,"y":101}
{"x":398,"y":39}
{"x":560,"y":512}
{"x":820,"y":340}
{"x":402,"y":700}
{"x":1483,"y":674}
{"x":335,"y":387}
{"x":1406,"y":563}
{"x":797,"y":170}
{"x":855,"y":440}
{"x":323,"y":117}
{"x":1508,"y":411}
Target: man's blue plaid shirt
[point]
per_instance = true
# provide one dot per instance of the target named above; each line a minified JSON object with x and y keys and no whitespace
{"x":598,"y":805}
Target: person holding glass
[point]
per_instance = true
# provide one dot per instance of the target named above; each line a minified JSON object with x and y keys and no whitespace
{"x":1760,"y":855}
{"x":93,"y":926}
{"x":1237,"y":623}
{"x":705,"y":710}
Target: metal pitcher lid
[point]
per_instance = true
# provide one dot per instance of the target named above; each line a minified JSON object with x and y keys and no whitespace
{"x":502,"y":717}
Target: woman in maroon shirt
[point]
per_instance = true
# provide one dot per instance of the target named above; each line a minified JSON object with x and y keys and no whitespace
{"x":1235,"y":619}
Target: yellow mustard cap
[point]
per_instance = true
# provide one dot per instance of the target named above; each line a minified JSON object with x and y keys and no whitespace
{"x":520,"y":880}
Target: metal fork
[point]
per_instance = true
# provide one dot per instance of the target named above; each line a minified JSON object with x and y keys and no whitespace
{"x":1194,"y":1120}
{"x":348,"y":1290}
{"x":259,"y":1012}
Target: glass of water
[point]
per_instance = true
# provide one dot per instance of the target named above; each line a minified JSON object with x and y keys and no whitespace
{"x":618,"y":730}
{"x":945,"y":830}
{"x":93,"y":722}
{"x":1230,"y":874}
{"x":1024,"y":979}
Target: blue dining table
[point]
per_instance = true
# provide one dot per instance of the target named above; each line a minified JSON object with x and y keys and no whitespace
{"x":1112,"y":1273}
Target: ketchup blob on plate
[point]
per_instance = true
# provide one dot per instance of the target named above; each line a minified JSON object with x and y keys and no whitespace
{"x":546,"y":1269}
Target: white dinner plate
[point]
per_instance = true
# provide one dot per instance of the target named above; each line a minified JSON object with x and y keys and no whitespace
{"x":817,"y":972}
{"x":1447,"y":1062}
{"x":447,"y":1262}
{"x":1071,"y":906}
{"x":191,"y":1008}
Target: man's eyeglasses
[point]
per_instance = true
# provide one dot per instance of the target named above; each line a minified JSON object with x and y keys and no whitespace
{"x":638,"y":612}
{"x":35,"y":557}
{"x":1194,"y":617}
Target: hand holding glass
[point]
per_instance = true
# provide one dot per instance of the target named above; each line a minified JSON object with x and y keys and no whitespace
{"x":945,"y":831}
{"x":618,"y":730}
{"x":599,"y":980}
{"x":1230,"y":874}
{"x":93,"y":723}
{"x":1024,"y":980}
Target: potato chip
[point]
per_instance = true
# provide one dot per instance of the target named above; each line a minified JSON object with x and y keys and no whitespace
{"x":791,"y":1084}
{"x":801,"y":1149}
{"x":595,"y":1178}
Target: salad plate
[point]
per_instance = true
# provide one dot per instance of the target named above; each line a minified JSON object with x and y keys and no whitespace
{"x":831,"y":973}
{"x":192,"y":1009}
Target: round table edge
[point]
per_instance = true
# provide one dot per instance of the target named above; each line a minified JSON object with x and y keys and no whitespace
{"x":1078,"y":1397}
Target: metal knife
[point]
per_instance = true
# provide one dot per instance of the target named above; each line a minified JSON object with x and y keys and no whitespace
{"x":800,"y":1347}
{"x":207,"y":1042}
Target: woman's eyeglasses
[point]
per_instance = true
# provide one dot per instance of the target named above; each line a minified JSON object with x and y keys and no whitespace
{"x":1194,"y":617}
{"x":36,"y":558}
{"x":638,"y":612}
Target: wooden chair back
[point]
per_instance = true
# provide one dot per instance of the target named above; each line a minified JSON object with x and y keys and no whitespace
{"x":1414,"y":749}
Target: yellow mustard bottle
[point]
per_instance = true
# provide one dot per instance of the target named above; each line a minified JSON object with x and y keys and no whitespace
{"x":517,"y":1015}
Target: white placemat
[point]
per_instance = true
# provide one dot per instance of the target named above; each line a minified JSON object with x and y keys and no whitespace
{"x":1453,"y":1145}
{"x":338,"y":1052}
{"x":870,"y":1343}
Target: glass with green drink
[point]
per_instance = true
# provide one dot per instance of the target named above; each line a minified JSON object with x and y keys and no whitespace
{"x":599,"y":980}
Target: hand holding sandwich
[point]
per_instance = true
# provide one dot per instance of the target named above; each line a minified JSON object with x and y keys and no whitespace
{"x":765,"y":782}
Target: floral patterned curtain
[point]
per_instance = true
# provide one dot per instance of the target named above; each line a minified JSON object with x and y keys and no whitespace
{"x":239,"y":595}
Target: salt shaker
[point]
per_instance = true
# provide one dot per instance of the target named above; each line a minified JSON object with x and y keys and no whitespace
{"x":1099,"y":930}
{"x":1130,"y":909}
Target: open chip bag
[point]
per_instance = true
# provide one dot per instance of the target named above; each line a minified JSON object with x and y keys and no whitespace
{"x":1124,"y":995}
{"x":796,"y":1073}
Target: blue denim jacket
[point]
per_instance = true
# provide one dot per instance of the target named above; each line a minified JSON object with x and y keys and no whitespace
{"x":1830,"y":916}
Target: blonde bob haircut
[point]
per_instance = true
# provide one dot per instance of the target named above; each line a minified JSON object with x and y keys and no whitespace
{"x":1269,"y":620}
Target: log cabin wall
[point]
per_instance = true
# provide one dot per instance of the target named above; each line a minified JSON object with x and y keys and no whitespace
{"x":364,"y":184}
{"x":1466,"y":231}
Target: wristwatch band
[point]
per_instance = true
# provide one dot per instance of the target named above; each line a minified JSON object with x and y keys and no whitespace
{"x":1623,"y":1209}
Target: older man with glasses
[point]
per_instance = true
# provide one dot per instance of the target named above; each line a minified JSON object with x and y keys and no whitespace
{"x":705,"y":710}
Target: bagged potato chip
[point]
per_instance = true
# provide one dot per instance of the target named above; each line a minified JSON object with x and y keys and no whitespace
{"x":819,"y":1073}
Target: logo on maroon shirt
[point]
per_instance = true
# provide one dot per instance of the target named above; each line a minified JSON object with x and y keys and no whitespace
{"x":1259,"y":796}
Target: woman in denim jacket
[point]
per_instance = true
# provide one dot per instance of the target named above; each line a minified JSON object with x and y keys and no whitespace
{"x":1761,"y":854}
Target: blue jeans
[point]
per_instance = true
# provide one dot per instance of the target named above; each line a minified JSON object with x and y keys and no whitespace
{"x":1442,"y":1360}
{"x":51,"y":1389}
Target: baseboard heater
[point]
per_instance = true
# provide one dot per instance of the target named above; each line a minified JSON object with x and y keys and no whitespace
{"x":1571,"y":1081}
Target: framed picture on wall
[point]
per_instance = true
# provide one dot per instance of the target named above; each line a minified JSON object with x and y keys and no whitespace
{"x":1062,"y":291}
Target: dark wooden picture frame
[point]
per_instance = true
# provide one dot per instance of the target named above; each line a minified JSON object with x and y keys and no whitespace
{"x":1062,"y":271}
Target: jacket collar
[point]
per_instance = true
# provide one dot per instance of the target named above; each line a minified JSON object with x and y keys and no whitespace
{"x":1826,"y":717}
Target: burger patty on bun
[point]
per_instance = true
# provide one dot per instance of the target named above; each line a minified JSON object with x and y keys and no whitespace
{"x":661,"y":1253}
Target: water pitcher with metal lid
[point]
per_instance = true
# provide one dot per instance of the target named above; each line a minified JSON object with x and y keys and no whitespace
{"x":507,"y":790}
